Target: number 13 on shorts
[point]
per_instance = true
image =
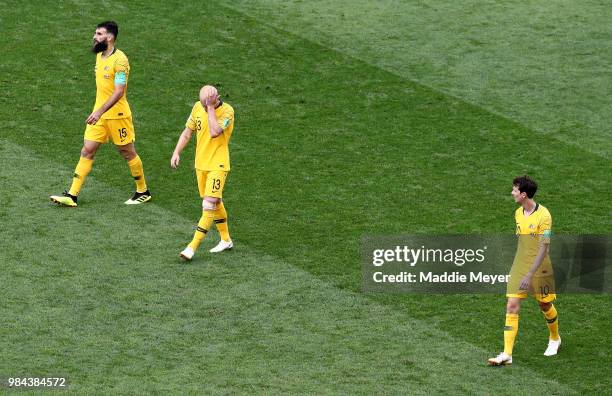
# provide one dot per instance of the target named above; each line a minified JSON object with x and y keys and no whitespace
{"x":211,"y":183}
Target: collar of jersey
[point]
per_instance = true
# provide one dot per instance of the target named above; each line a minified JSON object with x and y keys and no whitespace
{"x":111,"y":54}
{"x":535,"y":210}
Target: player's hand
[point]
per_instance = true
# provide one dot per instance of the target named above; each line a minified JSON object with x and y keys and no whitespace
{"x":209,"y":96}
{"x":525,"y":282}
{"x":174,"y":161}
{"x":211,"y":101}
{"x":209,"y":91}
{"x":93,"y":117}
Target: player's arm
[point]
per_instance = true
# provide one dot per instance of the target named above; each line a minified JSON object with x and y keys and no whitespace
{"x":542,"y":251}
{"x":180,"y":145}
{"x":526,"y":281}
{"x":118,"y":92}
{"x":213,"y":125}
{"x":216,"y":125}
{"x":539,"y":258}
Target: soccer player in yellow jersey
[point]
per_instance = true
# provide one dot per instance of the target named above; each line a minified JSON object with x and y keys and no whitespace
{"x":531,"y":270}
{"x":111,"y":117}
{"x":213,"y":122}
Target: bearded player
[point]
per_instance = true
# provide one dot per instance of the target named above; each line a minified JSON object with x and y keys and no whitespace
{"x":531,"y":270}
{"x":111,"y":118}
{"x":213,"y":122}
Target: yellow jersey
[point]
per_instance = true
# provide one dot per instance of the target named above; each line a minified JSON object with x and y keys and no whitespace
{"x":212,"y":153}
{"x":108,"y":70}
{"x":532,"y":231}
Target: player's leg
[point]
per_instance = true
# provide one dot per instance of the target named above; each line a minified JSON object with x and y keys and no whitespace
{"x":512,"y":322}
{"x":513,"y":306}
{"x":544,"y":287}
{"x":514,"y":294}
{"x":95,"y":135}
{"x":552,"y":320}
{"x":142,"y":194}
{"x":222,"y":226}
{"x":209,"y":187}
{"x":217,"y":183}
{"x":209,"y":205}
{"x":84,"y":166}
{"x":122,"y":133}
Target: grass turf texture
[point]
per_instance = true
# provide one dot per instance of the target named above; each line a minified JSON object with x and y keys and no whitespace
{"x":327,"y":147}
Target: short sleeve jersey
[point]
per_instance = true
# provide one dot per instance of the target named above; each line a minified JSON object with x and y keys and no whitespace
{"x":212,"y":153}
{"x":532,"y":231}
{"x":115,"y":66}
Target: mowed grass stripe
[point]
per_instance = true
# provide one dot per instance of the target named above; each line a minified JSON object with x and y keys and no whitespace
{"x":532,"y":62}
{"x":97,"y":293}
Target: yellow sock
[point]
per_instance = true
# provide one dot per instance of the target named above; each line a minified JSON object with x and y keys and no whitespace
{"x":135,"y":165}
{"x":221,"y":221}
{"x":552,"y":322}
{"x":80,"y":173}
{"x":203,"y":226}
{"x":510,"y":330}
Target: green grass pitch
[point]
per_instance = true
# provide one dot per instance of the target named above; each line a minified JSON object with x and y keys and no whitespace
{"x":352,"y":118}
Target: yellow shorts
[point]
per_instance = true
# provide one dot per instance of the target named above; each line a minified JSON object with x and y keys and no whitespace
{"x":211,"y":183}
{"x":120,"y":130}
{"x":542,"y":288}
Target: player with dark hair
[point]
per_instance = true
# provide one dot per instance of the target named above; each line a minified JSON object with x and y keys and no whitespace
{"x":531,"y":270}
{"x":111,"y":117}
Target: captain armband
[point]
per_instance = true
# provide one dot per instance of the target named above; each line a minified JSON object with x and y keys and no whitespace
{"x":120,"y":78}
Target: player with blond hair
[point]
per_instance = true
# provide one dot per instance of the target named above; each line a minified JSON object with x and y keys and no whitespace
{"x":213,"y":122}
